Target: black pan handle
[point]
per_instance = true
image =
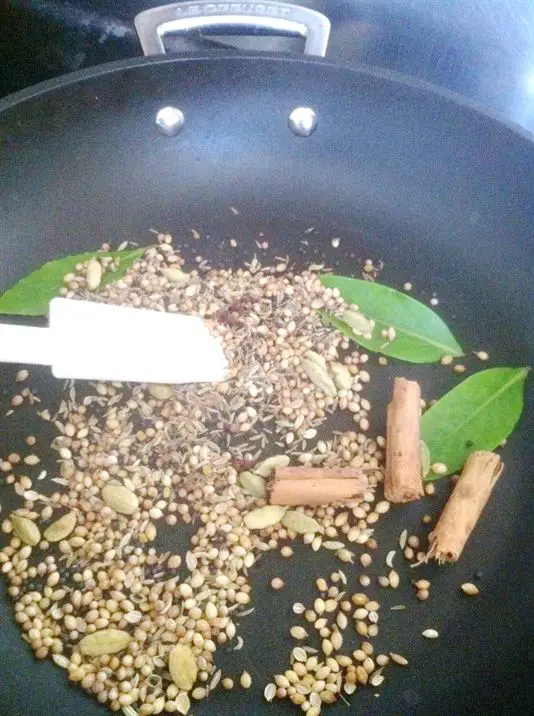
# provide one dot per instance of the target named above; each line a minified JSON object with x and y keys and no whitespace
{"x":236,"y":18}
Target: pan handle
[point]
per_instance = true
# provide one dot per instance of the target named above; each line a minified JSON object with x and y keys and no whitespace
{"x":237,"y":18}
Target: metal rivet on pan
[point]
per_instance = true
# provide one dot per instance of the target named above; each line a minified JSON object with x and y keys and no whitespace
{"x":169,"y":121}
{"x":303,"y":121}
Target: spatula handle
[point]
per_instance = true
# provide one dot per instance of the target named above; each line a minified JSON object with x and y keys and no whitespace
{"x":25,"y":344}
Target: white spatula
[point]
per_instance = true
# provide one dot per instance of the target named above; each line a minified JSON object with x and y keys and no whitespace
{"x":96,"y":341}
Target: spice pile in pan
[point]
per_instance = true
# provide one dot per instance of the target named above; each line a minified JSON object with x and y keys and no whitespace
{"x":141,"y":628}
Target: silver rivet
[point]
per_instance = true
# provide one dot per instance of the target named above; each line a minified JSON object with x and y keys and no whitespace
{"x":169,"y":121}
{"x":303,"y":121}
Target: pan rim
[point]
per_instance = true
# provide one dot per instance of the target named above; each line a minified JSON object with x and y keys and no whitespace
{"x":395,"y":78}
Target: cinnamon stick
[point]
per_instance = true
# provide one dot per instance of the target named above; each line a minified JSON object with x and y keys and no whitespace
{"x":320,"y":473}
{"x":316,"y":486}
{"x":403,"y":481}
{"x":464,"y":507}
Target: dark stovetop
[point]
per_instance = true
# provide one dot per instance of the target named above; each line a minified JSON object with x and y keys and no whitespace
{"x":483,"y":49}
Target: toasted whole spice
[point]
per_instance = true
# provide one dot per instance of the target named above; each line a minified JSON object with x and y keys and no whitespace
{"x":430,"y":634}
{"x":377,"y":679}
{"x":403,"y":479}
{"x":394,"y":579}
{"x":319,"y":377}
{"x":120,"y":498}
{"x":269,"y":692}
{"x":439,"y":468}
{"x":264,"y":517}
{"x":299,"y":522}
{"x":470,"y":589}
{"x":316,"y":486}
{"x":266,"y":467}
{"x":341,"y":376}
{"x":345,"y":555}
{"x":253,"y":483}
{"x":333,"y":544}
{"x":464,"y":506}
{"x":362,"y":675}
{"x":425,"y":459}
{"x":26,"y":530}
{"x":183,"y":704}
{"x":105,"y":641}
{"x":299,"y":654}
{"x":337,"y":640}
{"x":93,"y":274}
{"x":160,"y":391}
{"x":422,"y":584}
{"x":183,"y":667}
{"x":245,"y":680}
{"x":61,"y":528}
{"x":316,"y":358}
{"x":282,"y":681}
{"x":298,"y":632}
{"x":359,"y":323}
{"x":176,"y":276}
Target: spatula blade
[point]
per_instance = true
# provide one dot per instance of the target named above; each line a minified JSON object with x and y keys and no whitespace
{"x":97,"y":341}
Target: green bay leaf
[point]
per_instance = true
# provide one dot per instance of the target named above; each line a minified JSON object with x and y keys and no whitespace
{"x":478,"y":414}
{"x":31,"y":295}
{"x":421,"y":335}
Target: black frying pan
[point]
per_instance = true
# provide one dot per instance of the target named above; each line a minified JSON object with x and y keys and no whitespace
{"x":439,"y":189}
